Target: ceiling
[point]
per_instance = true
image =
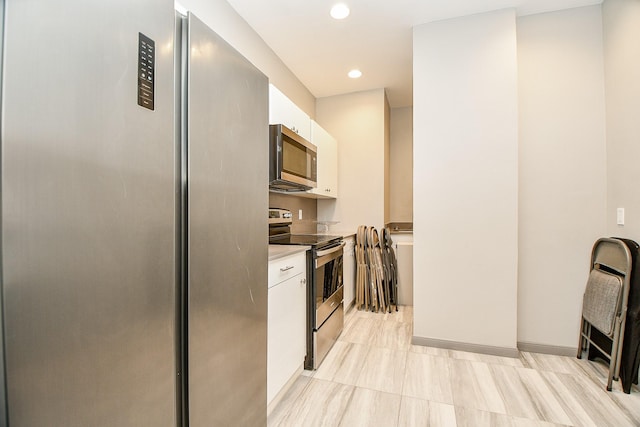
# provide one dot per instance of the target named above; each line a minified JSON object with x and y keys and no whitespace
{"x":375,"y":38}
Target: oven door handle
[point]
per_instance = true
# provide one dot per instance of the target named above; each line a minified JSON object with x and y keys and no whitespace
{"x":323,"y":257}
{"x":330,"y":250}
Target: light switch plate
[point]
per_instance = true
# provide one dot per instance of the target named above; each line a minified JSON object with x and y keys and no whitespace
{"x":620,"y":216}
{"x":299,"y":213}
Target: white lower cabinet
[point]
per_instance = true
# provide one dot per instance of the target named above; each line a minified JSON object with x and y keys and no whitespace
{"x":349,"y":272}
{"x":286,"y":334}
{"x":403,"y":246}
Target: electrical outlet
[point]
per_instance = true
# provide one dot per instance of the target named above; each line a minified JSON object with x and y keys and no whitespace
{"x":299,"y":213}
{"x":620,"y":216}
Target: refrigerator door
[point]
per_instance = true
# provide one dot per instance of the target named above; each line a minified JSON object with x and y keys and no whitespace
{"x":3,"y":397}
{"x":88,"y":216}
{"x":227,"y":151}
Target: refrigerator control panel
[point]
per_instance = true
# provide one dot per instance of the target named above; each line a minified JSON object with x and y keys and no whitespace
{"x":146,"y":70}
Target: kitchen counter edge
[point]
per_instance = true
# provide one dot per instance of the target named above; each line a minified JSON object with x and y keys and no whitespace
{"x":281,"y":251}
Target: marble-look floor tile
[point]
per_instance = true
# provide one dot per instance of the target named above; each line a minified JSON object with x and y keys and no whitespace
{"x":361,"y":331}
{"x":370,"y":408}
{"x":365,"y":373}
{"x":414,"y":412}
{"x":549,"y":362}
{"x":517,"y":400}
{"x":467,"y":417}
{"x":289,"y":400}
{"x":402,"y":314}
{"x":321,"y":403}
{"x":586,"y":402}
{"x":547,"y":404}
{"x":441,"y":414}
{"x":571,"y":403}
{"x":394,"y":335}
{"x":432,"y":351}
{"x":422,"y":413}
{"x":524,"y":422}
{"x":629,"y":403}
{"x":383,"y":370}
{"x":486,"y":358}
{"x":343,"y":363}
{"x":350,"y":315}
{"x":407,"y":313}
{"x":396,"y":314}
{"x":473,"y":386}
{"x":367,"y":314}
{"x":427,"y":377}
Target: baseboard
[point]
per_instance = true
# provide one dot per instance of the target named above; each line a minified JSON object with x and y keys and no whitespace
{"x":349,"y":306}
{"x":463,"y":346}
{"x":555,"y":350}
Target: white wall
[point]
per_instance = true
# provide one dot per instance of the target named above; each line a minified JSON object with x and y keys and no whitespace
{"x":401,"y":165}
{"x":622,"y":77}
{"x":357,"y":121}
{"x":387,"y":160}
{"x":562,"y":170}
{"x":225,"y":21}
{"x":466,"y":188}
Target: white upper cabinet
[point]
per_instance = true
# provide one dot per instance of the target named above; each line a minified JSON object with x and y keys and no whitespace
{"x":283,"y":111}
{"x":327,"y":162}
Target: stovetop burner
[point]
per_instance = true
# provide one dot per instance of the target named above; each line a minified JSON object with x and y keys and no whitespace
{"x":303,"y":239}
{"x":280,"y":232}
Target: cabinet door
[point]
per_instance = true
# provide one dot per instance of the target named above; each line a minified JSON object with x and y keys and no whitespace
{"x":349,"y":272}
{"x":327,"y":162}
{"x":286,"y":332}
{"x":283,"y":111}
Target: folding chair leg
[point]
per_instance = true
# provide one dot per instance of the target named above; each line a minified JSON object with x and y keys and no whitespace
{"x":580,"y":338}
{"x":612,"y":361}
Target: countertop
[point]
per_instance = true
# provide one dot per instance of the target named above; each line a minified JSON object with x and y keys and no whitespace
{"x":344,"y":233}
{"x":400,"y":227}
{"x":281,"y":251}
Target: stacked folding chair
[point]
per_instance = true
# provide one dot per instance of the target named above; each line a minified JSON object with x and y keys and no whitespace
{"x":362,"y":271}
{"x":376,"y":267}
{"x":391,"y":269}
{"x":604,"y":304}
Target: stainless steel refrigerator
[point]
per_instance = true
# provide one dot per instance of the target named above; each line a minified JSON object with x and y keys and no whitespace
{"x":134,"y":186}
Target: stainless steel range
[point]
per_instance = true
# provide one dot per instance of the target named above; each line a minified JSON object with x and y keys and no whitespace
{"x":325,"y":312}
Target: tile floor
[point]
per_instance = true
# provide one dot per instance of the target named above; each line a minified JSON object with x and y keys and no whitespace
{"x":374,"y":376}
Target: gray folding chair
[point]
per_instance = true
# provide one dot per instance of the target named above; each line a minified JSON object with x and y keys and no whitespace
{"x":604,"y":304}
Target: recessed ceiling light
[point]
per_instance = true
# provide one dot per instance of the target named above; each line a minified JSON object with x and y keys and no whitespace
{"x":354,"y":74}
{"x":340,"y":11}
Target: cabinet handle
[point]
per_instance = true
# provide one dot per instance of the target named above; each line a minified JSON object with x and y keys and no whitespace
{"x":287,"y":268}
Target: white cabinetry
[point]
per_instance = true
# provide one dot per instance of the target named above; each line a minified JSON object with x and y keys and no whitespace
{"x":327,"y":162}
{"x":349,"y":272}
{"x":403,"y":246}
{"x":286,"y":335}
{"x":283,"y":111}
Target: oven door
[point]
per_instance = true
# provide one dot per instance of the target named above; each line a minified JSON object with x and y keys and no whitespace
{"x":328,"y":284}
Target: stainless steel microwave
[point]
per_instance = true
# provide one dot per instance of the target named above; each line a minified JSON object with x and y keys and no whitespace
{"x":292,"y":160}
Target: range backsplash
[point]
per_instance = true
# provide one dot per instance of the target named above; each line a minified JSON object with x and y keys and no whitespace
{"x":308,"y":223}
